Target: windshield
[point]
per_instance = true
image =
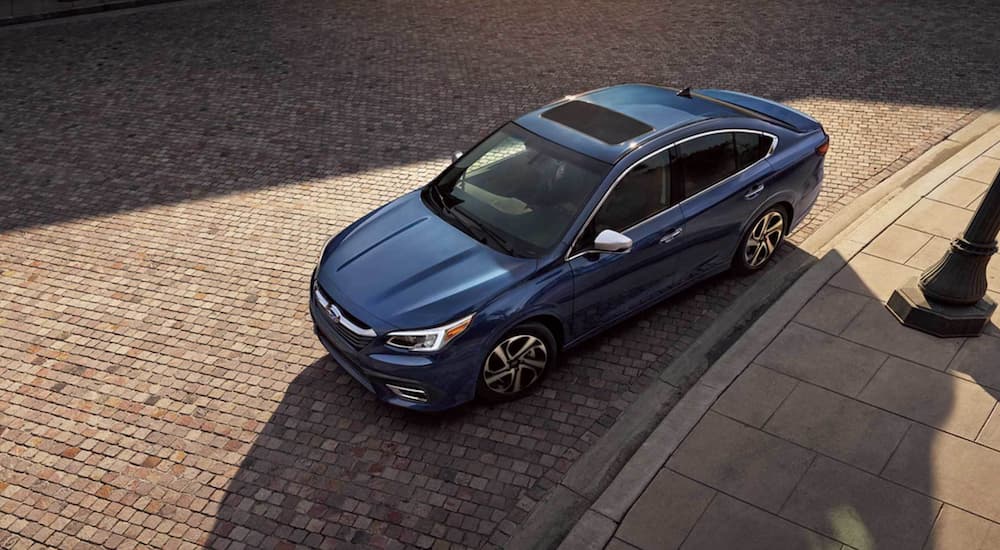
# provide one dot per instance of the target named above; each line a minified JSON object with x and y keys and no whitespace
{"x":516,"y":191}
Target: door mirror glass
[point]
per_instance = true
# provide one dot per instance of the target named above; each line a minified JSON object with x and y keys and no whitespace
{"x":455,"y":155}
{"x":612,"y":241}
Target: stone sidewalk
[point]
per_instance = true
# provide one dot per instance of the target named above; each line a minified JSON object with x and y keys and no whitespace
{"x":840,"y":427}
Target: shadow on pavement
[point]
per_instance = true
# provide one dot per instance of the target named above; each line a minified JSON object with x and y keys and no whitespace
{"x":112,"y":115}
{"x":118,"y":113}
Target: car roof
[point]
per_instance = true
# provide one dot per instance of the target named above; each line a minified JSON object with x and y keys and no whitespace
{"x":651,"y":110}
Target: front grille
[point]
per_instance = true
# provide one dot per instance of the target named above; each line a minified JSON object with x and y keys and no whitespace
{"x":348,"y":327}
{"x":356,"y":341}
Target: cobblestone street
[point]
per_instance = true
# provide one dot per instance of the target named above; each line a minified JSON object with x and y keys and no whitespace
{"x":167,"y":178}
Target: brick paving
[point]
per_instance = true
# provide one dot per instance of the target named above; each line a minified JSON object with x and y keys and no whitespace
{"x":169,"y":176}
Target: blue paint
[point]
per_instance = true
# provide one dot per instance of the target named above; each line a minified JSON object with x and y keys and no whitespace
{"x":403,"y":267}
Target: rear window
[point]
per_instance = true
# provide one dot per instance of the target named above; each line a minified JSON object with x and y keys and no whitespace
{"x":750,"y":148}
{"x":598,"y":122}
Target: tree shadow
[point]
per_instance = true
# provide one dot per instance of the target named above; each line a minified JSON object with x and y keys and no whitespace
{"x":222,"y":99}
{"x":927,"y":488}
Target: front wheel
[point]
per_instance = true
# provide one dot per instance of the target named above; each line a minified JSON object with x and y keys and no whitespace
{"x":517,"y":362}
{"x":760,"y":241}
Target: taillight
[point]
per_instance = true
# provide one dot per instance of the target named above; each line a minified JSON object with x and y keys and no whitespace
{"x":824,"y":147}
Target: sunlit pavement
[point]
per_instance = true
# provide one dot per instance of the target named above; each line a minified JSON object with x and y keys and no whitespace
{"x":848,"y":430}
{"x":169,"y":176}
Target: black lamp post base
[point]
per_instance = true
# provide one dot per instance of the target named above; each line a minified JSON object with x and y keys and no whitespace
{"x":912,"y":309}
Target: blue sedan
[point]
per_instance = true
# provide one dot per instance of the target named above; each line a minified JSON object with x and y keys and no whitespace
{"x":556,"y":226}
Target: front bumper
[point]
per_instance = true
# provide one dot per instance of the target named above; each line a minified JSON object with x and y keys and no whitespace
{"x":424,"y":382}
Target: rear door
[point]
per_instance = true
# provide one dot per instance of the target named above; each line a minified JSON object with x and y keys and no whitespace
{"x":724,"y":178}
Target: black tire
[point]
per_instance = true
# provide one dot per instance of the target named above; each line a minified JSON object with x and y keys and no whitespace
{"x":761,"y":240}
{"x":498,"y":382}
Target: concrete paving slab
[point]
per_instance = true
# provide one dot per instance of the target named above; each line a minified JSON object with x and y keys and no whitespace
{"x":983,"y":169}
{"x":957,"y":529}
{"x":898,"y":243}
{"x":755,"y":395}
{"x":619,"y":544}
{"x":938,"y":218}
{"x":742,"y":461}
{"x":665,"y":513}
{"x":859,"y":509}
{"x":616,"y":499}
{"x":729,"y":523}
{"x":930,"y":253}
{"x":993,"y":329}
{"x":994,"y":152}
{"x":843,"y":428}
{"x":959,"y":191}
{"x":990,"y":434}
{"x":876,"y":327}
{"x":831,"y":310}
{"x":823,"y":359}
{"x":873,"y":276}
{"x":940,"y":400}
{"x":979,"y":360}
{"x":948,"y":468}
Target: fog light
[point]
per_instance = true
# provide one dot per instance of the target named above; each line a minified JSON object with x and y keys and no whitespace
{"x":408,"y":393}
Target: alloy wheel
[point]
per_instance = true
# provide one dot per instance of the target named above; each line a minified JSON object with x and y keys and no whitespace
{"x":763,"y":239}
{"x":515,"y":364}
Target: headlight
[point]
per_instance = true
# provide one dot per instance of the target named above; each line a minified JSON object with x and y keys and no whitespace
{"x":431,"y":339}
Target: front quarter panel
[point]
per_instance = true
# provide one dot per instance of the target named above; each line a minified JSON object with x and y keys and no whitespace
{"x":548,"y":293}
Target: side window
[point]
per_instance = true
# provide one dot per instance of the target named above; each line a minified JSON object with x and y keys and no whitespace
{"x":643,"y":192}
{"x":750,"y":148}
{"x":706,"y":161}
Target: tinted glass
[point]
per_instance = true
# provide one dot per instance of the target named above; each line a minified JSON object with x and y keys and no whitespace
{"x":750,"y":148}
{"x":705,"y":161}
{"x":643,"y":192}
{"x":518,"y":186}
{"x":596,"y":121}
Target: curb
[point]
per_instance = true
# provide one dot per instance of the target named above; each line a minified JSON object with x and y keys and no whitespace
{"x":652,"y":427}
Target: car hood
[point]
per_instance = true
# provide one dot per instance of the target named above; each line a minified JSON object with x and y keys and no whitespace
{"x":411,"y":269}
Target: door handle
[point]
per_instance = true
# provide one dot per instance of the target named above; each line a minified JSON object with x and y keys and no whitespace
{"x":754,"y":191}
{"x":671,"y":235}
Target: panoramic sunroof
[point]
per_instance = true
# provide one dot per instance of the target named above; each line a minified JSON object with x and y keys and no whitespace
{"x":604,"y":124}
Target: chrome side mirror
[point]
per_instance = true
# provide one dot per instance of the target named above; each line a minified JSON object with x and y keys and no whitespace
{"x":612,"y":241}
{"x":455,"y":156}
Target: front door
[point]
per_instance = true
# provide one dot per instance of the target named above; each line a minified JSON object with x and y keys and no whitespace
{"x":642,"y":206}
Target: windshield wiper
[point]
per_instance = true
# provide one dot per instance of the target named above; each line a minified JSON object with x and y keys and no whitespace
{"x":485,"y":230}
{"x":440,"y":198}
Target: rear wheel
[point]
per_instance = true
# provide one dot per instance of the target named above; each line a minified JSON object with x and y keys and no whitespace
{"x":761,"y":240}
{"x":517,"y":362}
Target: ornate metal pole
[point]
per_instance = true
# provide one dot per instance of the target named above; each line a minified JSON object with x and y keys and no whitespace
{"x":950,"y":298}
